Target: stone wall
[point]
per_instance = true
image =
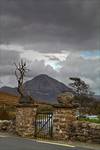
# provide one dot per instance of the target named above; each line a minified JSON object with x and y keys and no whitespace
{"x":25,"y":120}
{"x":65,"y":125}
{"x":62,"y":117}
{"x":84,"y":132}
{"x":7,"y":126}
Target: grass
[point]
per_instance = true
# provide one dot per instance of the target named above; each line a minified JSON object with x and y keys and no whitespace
{"x":8,"y":99}
{"x":90,"y":120}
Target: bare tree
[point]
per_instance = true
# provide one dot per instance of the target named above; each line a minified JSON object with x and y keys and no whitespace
{"x":20,"y":72}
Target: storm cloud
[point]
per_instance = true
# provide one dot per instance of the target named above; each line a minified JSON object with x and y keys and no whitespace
{"x":51,"y":24}
{"x":7,"y":60}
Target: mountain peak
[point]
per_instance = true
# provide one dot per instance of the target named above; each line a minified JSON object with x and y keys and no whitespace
{"x":45,"y":87}
{"x":43,"y":76}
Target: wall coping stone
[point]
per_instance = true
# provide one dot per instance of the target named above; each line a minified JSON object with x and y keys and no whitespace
{"x":26,"y":105}
{"x":64,"y":106}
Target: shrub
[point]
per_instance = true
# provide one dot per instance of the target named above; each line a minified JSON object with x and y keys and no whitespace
{"x":4,"y":115}
{"x":7,"y":115}
{"x":44,"y":108}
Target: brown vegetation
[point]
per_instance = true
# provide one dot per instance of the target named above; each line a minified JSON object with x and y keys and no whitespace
{"x":8,"y":99}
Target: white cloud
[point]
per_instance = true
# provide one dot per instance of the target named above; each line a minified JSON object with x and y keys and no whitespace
{"x":51,"y":59}
{"x":8,"y":81}
{"x":11,"y":47}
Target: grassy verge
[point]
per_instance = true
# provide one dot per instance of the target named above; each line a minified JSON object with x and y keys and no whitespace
{"x":90,"y":120}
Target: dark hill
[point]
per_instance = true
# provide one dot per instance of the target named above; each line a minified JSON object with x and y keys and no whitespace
{"x":9,"y":90}
{"x":43,"y":87}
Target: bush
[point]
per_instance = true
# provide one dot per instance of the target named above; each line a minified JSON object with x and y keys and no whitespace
{"x":12,"y":115}
{"x":45,"y":108}
{"x":4,"y":115}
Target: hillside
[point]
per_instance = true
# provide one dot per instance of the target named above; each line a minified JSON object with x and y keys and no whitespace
{"x":8,"y":99}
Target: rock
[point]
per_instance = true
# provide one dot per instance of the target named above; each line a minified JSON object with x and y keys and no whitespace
{"x":66,"y":99}
{"x":7,"y":126}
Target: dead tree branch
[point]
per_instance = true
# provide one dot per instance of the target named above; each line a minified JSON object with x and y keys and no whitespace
{"x":20,"y":72}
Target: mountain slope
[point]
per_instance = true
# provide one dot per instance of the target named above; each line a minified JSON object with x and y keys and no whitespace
{"x":42,"y":87}
{"x":45,"y":88}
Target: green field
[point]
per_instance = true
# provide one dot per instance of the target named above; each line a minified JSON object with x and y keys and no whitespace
{"x":90,"y":120}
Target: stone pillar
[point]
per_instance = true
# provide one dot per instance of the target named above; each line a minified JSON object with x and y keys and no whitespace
{"x":62,"y":117}
{"x":25,"y":120}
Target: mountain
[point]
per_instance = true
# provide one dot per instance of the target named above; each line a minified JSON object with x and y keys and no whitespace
{"x":97,"y":97}
{"x":42,"y":88}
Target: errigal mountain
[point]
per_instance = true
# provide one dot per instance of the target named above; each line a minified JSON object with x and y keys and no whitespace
{"x":42,"y":88}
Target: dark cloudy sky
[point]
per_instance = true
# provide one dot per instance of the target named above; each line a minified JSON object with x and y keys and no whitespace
{"x":57,"y":37}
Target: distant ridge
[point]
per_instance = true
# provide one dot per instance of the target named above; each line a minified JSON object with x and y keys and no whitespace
{"x":9,"y":90}
{"x":42,"y":87}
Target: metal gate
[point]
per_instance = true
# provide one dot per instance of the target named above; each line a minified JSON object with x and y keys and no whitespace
{"x":44,"y":125}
